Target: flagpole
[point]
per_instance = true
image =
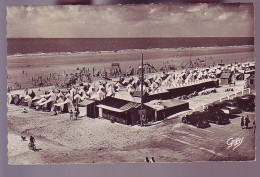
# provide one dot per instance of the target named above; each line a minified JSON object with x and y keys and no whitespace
{"x":142,"y":82}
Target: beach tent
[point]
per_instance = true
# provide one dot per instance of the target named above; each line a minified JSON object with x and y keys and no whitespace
{"x":81,"y":91}
{"x":100,"y":95}
{"x":39,"y":103}
{"x":48,"y":104}
{"x":9,"y":98}
{"x":118,"y":87}
{"x":110,"y":91}
{"x":130,"y":89}
{"x":154,"y":85}
{"x":73,"y":91}
{"x":77,"y":98}
{"x":65,"y":106}
{"x":68,"y":95}
{"x":148,"y":82}
{"x":140,"y":87}
{"x":91,"y":91}
{"x":101,"y":88}
{"x":28,"y":100}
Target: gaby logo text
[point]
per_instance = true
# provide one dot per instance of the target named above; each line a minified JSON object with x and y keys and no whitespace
{"x":234,"y":142}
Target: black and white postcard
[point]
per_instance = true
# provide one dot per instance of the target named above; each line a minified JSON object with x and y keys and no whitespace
{"x":148,"y":83}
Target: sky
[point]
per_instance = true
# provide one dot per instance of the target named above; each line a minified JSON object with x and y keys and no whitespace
{"x":126,"y":21}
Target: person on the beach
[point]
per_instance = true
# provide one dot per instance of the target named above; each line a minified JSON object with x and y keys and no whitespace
{"x":254,"y":126}
{"x":147,"y":160}
{"x":76,"y":113}
{"x":23,"y":138}
{"x":71,"y":114}
{"x":55,"y":113}
{"x":242,"y":122}
{"x":247,"y":121}
{"x":142,"y":120}
{"x":32,"y":139}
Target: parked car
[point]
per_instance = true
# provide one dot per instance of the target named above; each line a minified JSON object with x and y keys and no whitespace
{"x":197,"y":119}
{"x":217,"y":116}
{"x":246,"y":103}
{"x":227,"y":106}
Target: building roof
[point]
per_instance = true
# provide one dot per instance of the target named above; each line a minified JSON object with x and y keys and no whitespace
{"x":86,"y":102}
{"x":118,"y":105}
{"x":225,"y":75}
{"x":139,"y":94}
{"x":163,"y":104}
{"x":110,"y":108}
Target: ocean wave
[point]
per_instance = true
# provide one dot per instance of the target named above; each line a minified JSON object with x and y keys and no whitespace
{"x":120,"y":51}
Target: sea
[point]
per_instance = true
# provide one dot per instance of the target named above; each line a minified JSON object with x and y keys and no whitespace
{"x":19,"y":46}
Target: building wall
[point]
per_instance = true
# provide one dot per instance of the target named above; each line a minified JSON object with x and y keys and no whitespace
{"x":224,"y":81}
{"x":162,"y":114}
{"x":250,"y":83}
{"x":123,"y":117}
{"x":92,"y":110}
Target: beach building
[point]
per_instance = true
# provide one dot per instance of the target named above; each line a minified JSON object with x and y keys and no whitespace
{"x":226,"y":78}
{"x":250,"y":82}
{"x":188,"y":89}
{"x":119,"y":110}
{"x":126,"y":112}
{"x":165,"y":108}
{"x":88,"y":108}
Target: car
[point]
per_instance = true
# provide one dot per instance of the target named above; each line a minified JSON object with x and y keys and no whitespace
{"x":197,"y":119}
{"x":227,"y":106}
{"x":246,"y":103}
{"x":217,"y":116}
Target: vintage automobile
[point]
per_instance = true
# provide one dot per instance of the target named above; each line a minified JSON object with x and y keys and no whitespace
{"x":246,"y":103}
{"x":217,"y":116}
{"x":197,"y":119}
{"x":227,"y":106}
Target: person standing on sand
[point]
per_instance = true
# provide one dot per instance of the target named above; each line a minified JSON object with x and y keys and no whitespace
{"x":32,"y":139}
{"x":71,"y":114}
{"x":242,"y":122}
{"x":247,"y":121}
{"x":254,"y":126}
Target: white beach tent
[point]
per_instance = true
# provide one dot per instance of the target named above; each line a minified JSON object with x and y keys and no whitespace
{"x":61,"y":105}
{"x":28,"y":99}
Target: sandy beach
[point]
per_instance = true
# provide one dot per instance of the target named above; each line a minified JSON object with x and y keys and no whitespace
{"x":87,"y":140}
{"x":60,"y":64}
